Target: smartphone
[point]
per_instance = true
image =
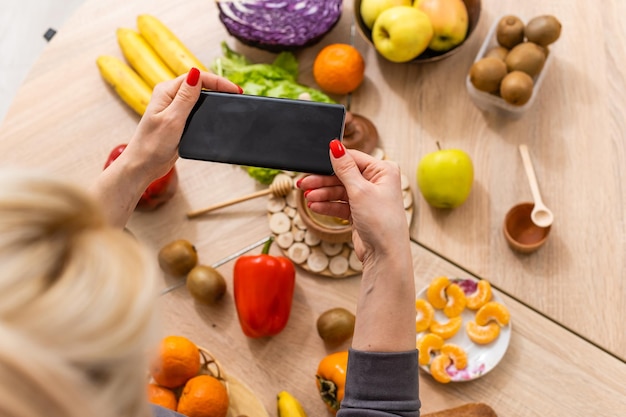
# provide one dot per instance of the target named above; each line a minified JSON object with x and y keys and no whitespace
{"x":267,"y":132}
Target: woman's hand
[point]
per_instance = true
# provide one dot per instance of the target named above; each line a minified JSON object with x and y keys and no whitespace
{"x":155,"y":142}
{"x":153,"y":149}
{"x":366,"y":191}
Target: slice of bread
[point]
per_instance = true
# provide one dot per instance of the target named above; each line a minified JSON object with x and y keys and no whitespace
{"x":465,"y":410}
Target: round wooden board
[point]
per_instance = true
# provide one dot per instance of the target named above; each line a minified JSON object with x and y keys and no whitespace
{"x":316,"y":246}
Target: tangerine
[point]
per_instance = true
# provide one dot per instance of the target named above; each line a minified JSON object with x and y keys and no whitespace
{"x":481,"y":296}
{"x":177,"y":360}
{"x":425,"y":315}
{"x":203,"y":396}
{"x":493,"y":311}
{"x":339,"y":68}
{"x":435,"y":294}
{"x":448,"y":329}
{"x":162,"y":396}
{"x":438,"y":368}
{"x":456,"y":301}
{"x":456,"y":353}
{"x":426,"y":345}
{"x":482,"y":335}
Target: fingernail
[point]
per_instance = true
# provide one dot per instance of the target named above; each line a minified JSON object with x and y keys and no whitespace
{"x":193,"y":76}
{"x":308,"y":204}
{"x":306,"y":193}
{"x":240,"y":90}
{"x":337,"y":148}
{"x":298,"y":183}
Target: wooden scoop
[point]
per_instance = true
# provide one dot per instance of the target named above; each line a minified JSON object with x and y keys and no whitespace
{"x":280,"y":187}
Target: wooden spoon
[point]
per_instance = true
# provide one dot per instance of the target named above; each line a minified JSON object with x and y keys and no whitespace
{"x":541,"y":215}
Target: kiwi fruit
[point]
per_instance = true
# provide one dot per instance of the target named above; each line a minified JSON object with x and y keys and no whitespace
{"x":486,"y":74}
{"x":516,"y":88}
{"x":336,"y":325}
{"x":499,"y":52}
{"x":178,"y":257}
{"x":528,"y":57}
{"x":206,"y":284}
{"x":543,"y":30}
{"x":510,"y":31}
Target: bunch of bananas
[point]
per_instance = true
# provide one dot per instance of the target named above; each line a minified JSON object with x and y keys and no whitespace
{"x":154,"y":54}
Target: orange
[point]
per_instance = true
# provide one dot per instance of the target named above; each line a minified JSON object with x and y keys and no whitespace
{"x":203,"y":396}
{"x":177,"y":360}
{"x":425,"y":315}
{"x":482,"y":335}
{"x":427,"y":345}
{"x":339,"y":68}
{"x":435,"y":294}
{"x":456,"y":301}
{"x":493,"y":311}
{"x":438,"y":368}
{"x":481,"y":296}
{"x":456,"y":353}
{"x":448,"y":329}
{"x":162,"y":396}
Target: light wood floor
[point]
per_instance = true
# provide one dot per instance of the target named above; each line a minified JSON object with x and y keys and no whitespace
{"x":23,"y":24}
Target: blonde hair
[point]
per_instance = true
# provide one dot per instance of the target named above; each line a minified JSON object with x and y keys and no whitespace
{"x":76,"y":305}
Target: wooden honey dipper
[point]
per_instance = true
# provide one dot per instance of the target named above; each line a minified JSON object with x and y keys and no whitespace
{"x":280,"y":187}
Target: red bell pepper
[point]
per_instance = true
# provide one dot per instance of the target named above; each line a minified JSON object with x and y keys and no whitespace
{"x":158,"y":192}
{"x":263,"y":286}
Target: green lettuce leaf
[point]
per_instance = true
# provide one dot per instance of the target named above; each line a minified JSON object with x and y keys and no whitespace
{"x":278,"y":79}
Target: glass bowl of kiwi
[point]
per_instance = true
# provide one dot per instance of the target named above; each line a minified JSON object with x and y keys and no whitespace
{"x":511,"y":64}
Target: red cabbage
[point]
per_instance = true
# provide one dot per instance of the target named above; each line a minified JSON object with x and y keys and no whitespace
{"x":279,"y":25}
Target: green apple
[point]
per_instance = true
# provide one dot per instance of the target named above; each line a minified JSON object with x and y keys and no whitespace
{"x":370,"y":9}
{"x":401,"y":33}
{"x":445,"y":177}
{"x":449,"y":19}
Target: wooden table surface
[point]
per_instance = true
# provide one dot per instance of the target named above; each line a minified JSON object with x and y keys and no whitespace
{"x":568,"y":346}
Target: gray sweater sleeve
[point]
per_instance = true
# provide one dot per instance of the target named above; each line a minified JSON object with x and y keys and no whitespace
{"x":380,"y":384}
{"x":158,"y":411}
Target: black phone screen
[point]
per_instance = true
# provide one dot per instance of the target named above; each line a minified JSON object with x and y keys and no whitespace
{"x":291,"y":135}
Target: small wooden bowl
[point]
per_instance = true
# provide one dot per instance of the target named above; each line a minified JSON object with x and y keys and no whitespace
{"x":326,"y":228}
{"x":520,"y":232}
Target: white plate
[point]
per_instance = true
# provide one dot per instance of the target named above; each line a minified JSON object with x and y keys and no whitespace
{"x":480,"y":358}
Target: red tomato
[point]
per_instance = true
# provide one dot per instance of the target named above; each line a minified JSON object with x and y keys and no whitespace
{"x":158,"y":192}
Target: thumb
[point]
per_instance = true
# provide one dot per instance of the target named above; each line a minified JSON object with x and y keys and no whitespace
{"x":344,"y":165}
{"x":188,"y":93}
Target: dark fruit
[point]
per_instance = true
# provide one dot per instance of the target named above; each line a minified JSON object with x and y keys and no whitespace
{"x":336,"y":325}
{"x":177,"y":258}
{"x":499,"y":52}
{"x":206,"y":284}
{"x":510,"y":31}
{"x":487,"y":73}
{"x":528,"y":57}
{"x":543,"y":30}
{"x":517,"y":88}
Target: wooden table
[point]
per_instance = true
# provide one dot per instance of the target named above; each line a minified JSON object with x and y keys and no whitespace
{"x":568,"y":347}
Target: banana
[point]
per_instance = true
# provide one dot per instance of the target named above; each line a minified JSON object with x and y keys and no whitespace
{"x":171,"y":50}
{"x":289,"y":406}
{"x":131,"y":88}
{"x":142,"y":57}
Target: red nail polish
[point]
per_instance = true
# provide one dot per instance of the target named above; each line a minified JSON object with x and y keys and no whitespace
{"x":337,"y":148}
{"x":240,"y":90}
{"x":306,"y":193}
{"x":193,"y":76}
{"x":298,"y":183}
{"x":308,"y":204}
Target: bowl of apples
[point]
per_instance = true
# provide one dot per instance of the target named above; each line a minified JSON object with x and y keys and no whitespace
{"x":416,"y":31}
